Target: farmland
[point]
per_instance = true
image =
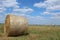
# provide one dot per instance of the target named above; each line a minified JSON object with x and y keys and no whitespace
{"x":36,"y":32}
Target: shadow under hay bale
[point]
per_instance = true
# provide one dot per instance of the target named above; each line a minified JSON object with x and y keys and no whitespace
{"x":15,"y":25}
{"x":18,"y":35}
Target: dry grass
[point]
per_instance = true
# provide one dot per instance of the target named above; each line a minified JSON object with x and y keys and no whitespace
{"x":45,"y":33}
{"x":39,"y":33}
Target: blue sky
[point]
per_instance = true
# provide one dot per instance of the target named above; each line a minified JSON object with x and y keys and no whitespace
{"x":43,"y":12}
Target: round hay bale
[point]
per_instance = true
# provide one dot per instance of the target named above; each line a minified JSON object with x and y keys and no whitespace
{"x":15,"y":25}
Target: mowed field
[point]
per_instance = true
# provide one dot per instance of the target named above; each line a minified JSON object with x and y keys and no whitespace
{"x":36,"y":32}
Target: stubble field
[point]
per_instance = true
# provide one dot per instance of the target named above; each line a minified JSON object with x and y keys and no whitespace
{"x":41,"y":32}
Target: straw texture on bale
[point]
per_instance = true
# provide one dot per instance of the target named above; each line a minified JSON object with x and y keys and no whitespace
{"x":15,"y":25}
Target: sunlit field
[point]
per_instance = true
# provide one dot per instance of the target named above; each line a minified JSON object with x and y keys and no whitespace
{"x":36,"y":32}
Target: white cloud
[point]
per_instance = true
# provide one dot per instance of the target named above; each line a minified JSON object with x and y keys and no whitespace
{"x":40,"y":5}
{"x":16,"y":10}
{"x":38,"y":20}
{"x":52,"y":7}
{"x":1,"y":8}
{"x":23,"y":10}
{"x":56,"y":15}
{"x":14,"y":5}
{"x":49,"y":4}
{"x":57,"y":7}
{"x":4,"y":4}
{"x":9,"y":3}
{"x":45,"y":13}
{"x":0,"y":16}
